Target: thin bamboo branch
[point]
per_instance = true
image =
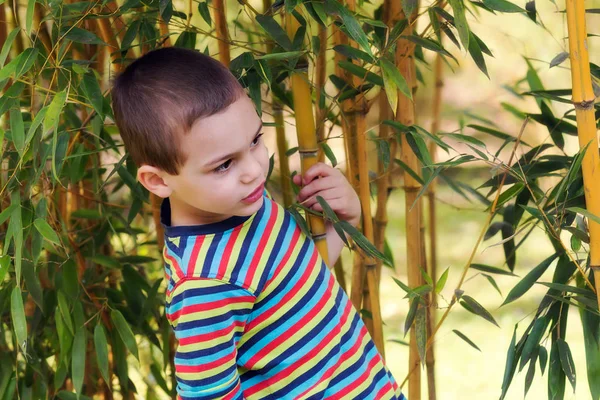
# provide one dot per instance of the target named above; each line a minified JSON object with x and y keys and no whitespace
{"x":583,"y":99}
{"x":222,"y":33}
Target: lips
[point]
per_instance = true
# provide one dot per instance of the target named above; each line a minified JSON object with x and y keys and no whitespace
{"x":255,"y":195}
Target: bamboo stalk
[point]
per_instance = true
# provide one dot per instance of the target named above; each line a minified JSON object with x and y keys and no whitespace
{"x":222,"y":33}
{"x":307,"y":138}
{"x":321,"y":70}
{"x":405,"y":114}
{"x":583,"y":99}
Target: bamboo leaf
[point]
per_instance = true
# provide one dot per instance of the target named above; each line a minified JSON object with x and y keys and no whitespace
{"x":439,"y":286}
{"x":421,"y":332}
{"x":8,"y":45}
{"x":460,"y":21}
{"x":477,"y":56}
{"x":429,"y":44}
{"x":54,"y":110}
{"x":275,"y":31}
{"x":92,"y":91}
{"x":17,"y":313}
{"x":37,"y":121}
{"x":566,"y":361}
{"x":80,"y":35}
{"x":567,"y":288}
{"x":412,"y":313}
{"x":530,"y":373}
{"x":409,"y":6}
{"x":591,"y":335}
{"x":78,"y":359}
{"x":409,"y":171}
{"x":556,"y":376}
{"x":125,"y":332}
{"x":531,"y":11}
{"x":101,"y":346}
{"x":29,"y":17}
{"x":63,"y":307}
{"x":329,"y":154}
{"x":404,"y":287}
{"x":17,"y":130}
{"x":361,"y":72}
{"x":362,"y":242}
{"x":329,"y":213}
{"x":392,"y":72}
{"x":466,"y":339}
{"x":350,"y":23}
{"x":301,"y":222}
{"x":527,"y":282}
{"x":511,"y":362}
{"x":46,"y":230}
{"x":503,"y":6}
{"x":204,"y":12}
{"x":533,"y":340}
{"x":476,"y":308}
{"x":351,"y":52}
{"x":4,"y":265}
{"x":280,"y":56}
{"x":492,"y":282}
{"x":559,"y":59}
{"x":585,"y":213}
{"x":542,"y":358}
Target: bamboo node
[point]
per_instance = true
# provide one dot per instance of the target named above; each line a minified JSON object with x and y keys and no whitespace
{"x":584,"y":105}
{"x":308,"y":153}
{"x":595,"y":267}
{"x":318,"y":237}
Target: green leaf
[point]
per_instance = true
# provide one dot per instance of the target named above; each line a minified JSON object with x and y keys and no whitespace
{"x":477,"y":309}
{"x":351,"y":52}
{"x":421,"y":332}
{"x":78,"y":359}
{"x":490,"y":269}
{"x":409,"y":6}
{"x":475,"y":52}
{"x":37,"y":121}
{"x":585,"y":213}
{"x":17,"y":313}
{"x":429,"y":44}
{"x":566,"y":361}
{"x":275,"y":31}
{"x":350,"y":23}
{"x":527,"y":282}
{"x":533,"y":340}
{"x":125,"y":332}
{"x":362,"y":242}
{"x":460,"y":21}
{"x":204,"y":12}
{"x":439,"y":286}
{"x":4,"y":265}
{"x":503,"y":6}
{"x":92,"y":91}
{"x":63,"y":307}
{"x":361,"y":72}
{"x":46,"y":230}
{"x":412,"y":313}
{"x":17,"y":130}
{"x":559,"y":59}
{"x":8,"y":45}
{"x":556,"y":375}
{"x":54,"y":110}
{"x":136,"y":259}
{"x":329,"y":154}
{"x":510,"y":367}
{"x":492,"y":282}
{"x":393,"y":81}
{"x":280,"y":56}
{"x":543,"y":358}
{"x":402,"y":285}
{"x":80,"y":35}
{"x":466,"y":339}
{"x":329,"y":213}
{"x":101,"y":346}
{"x":86,"y":214}
{"x":29,"y":17}
{"x":106,"y":261}
{"x":591,"y":335}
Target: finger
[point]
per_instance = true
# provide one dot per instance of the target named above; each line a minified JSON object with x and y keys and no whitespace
{"x":315,"y":187}
{"x":319,"y":169}
{"x":297,"y":179}
{"x":330,"y":196}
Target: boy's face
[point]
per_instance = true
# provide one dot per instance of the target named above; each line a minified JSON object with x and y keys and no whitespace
{"x":226,"y":168}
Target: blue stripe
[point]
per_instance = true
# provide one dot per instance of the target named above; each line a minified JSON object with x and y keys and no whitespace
{"x":244,"y":249}
{"x":279,"y":250}
{"x":215,"y":326}
{"x":254,"y":243}
{"x":210,"y":254}
{"x":220,"y":249}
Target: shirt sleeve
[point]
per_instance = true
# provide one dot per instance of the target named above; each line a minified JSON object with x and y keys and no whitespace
{"x":208,"y":318}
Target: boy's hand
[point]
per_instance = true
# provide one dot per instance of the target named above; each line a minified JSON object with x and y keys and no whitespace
{"x":332,"y":186}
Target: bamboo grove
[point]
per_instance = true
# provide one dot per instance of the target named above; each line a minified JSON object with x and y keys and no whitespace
{"x":81,"y":284}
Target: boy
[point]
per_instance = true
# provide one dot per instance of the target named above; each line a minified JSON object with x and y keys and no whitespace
{"x":256,"y":312}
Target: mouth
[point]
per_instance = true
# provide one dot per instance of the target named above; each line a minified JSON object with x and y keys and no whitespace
{"x":255,"y":195}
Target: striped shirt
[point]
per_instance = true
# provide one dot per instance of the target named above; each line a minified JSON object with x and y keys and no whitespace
{"x":258,"y":315}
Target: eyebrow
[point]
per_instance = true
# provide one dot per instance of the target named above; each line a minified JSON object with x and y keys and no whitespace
{"x":225,"y":157}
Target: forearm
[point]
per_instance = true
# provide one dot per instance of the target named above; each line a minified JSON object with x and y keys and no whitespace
{"x":335,"y":244}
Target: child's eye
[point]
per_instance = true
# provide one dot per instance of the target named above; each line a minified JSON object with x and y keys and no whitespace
{"x":223,"y":167}
{"x":256,"y":139}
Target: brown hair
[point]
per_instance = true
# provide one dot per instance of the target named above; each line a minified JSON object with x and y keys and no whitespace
{"x":159,"y":96}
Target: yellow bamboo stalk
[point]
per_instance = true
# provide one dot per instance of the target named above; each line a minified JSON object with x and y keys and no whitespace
{"x":405,"y":114}
{"x":321,"y":71}
{"x":305,"y":127}
{"x":583,"y":99}
{"x":222,"y":33}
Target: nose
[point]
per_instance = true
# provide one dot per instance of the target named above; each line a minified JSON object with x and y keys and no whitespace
{"x":252,"y":171}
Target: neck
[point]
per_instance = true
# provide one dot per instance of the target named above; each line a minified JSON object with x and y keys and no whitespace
{"x":182,"y":214}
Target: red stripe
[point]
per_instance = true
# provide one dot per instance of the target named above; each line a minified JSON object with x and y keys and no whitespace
{"x":385,"y":389}
{"x":227,"y":252}
{"x":341,"y":394}
{"x":343,"y":358}
{"x":210,"y":335}
{"x":206,"y":366}
{"x":295,"y":328}
{"x":268,"y":313}
{"x":209,"y":306}
{"x":286,"y":257}
{"x":233,"y":393}
{"x":177,"y":271}
{"x":261,"y":247}
{"x":306,"y":358}
{"x":194,"y":255}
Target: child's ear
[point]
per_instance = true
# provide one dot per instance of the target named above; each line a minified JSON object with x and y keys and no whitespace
{"x":151,"y":178}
